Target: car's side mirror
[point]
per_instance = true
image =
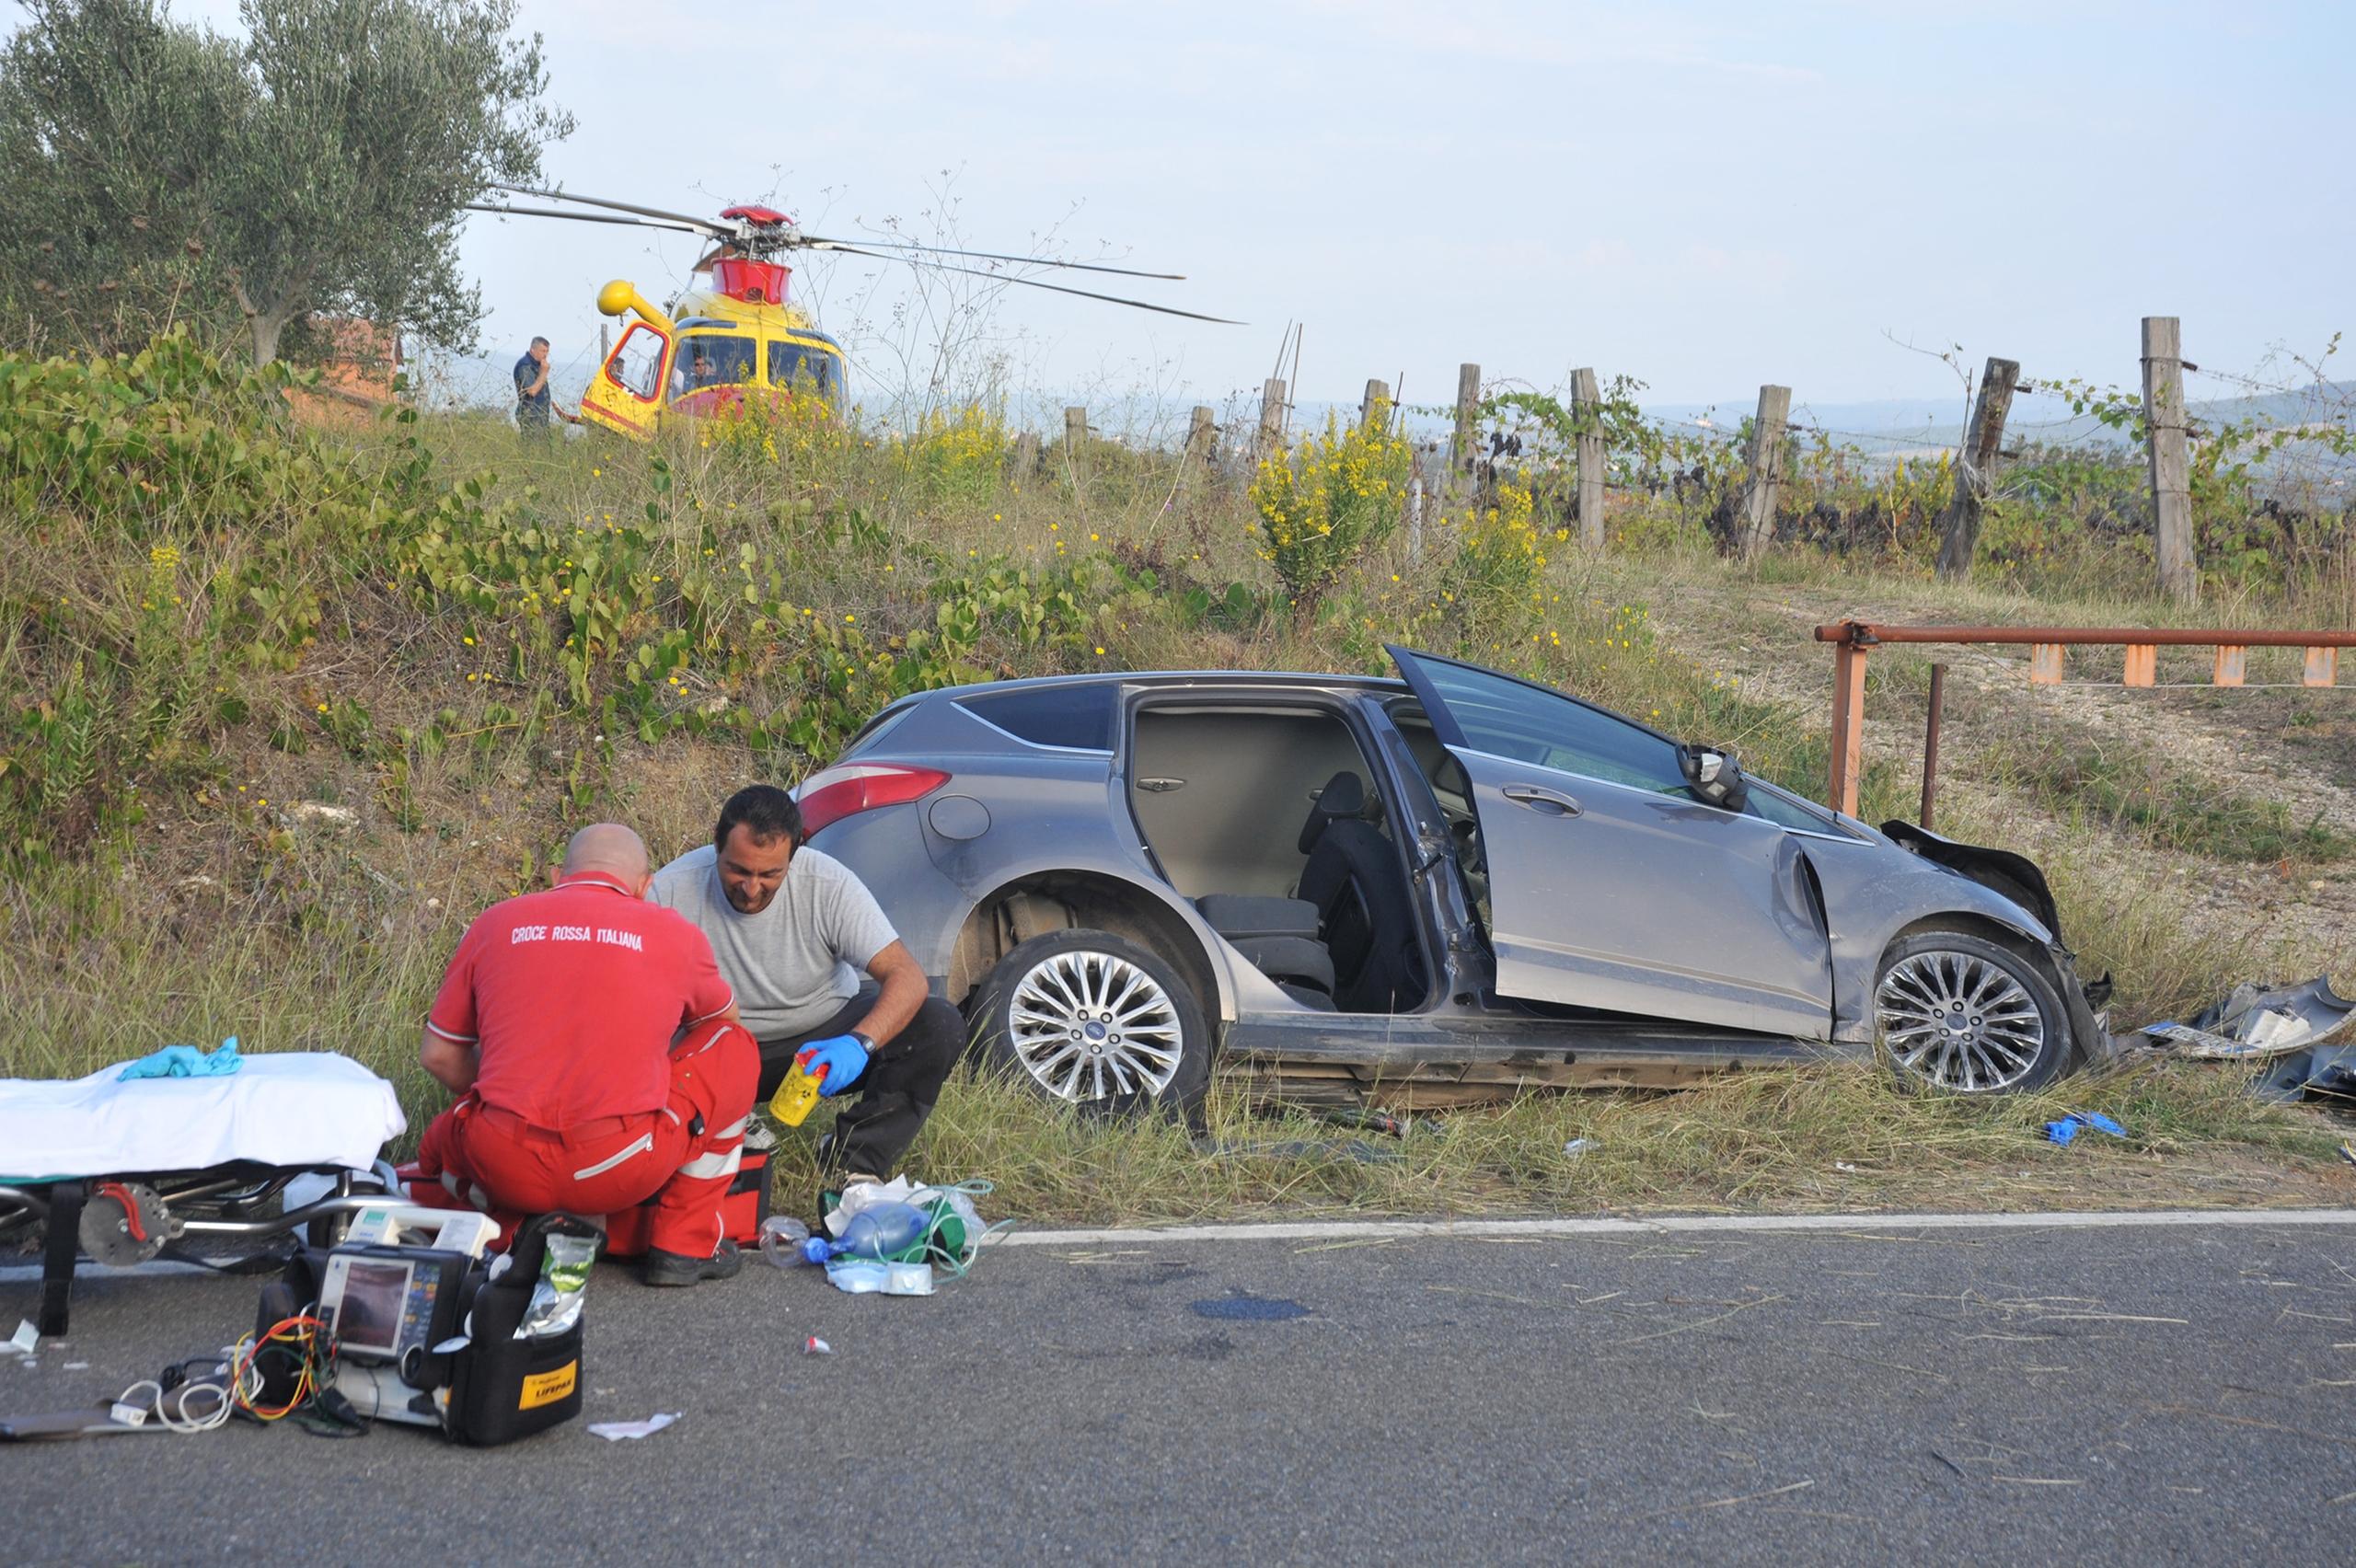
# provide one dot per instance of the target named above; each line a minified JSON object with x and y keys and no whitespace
{"x":1715,"y":776}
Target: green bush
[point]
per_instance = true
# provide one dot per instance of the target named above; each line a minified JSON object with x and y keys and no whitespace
{"x":179,"y":535}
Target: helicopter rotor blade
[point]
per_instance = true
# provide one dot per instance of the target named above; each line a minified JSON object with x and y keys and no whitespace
{"x":992,"y":255}
{"x":840,"y":248}
{"x":701,"y":225}
{"x":577,"y":217}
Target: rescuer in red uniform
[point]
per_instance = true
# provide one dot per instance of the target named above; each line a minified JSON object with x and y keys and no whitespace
{"x":597,"y":1060}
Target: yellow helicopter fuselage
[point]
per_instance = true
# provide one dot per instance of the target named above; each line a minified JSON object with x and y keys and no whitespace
{"x":719,"y":349}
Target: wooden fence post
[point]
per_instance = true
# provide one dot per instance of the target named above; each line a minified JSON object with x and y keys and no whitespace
{"x":1076,"y":442}
{"x":1418,"y":493}
{"x":1374,"y":412}
{"x":1272,"y":419}
{"x":1848,"y":724}
{"x":1202,"y":436}
{"x":2171,"y":463}
{"x":1766,"y":467}
{"x":1463,"y":460}
{"x":1586,"y":402}
{"x":1975,"y":467}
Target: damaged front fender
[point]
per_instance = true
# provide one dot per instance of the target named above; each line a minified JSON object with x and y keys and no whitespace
{"x":2019,"y":879}
{"x":2016,"y":876}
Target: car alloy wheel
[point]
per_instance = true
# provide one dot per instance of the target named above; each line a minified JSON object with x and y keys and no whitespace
{"x":1087,"y":1025}
{"x":1093,"y":1020}
{"x":1957,"y":1017}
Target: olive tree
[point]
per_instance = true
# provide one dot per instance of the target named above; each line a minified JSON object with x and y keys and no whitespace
{"x":320,"y":162}
{"x":114,"y":128}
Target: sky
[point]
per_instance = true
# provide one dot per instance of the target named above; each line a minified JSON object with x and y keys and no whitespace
{"x":1702,"y":196}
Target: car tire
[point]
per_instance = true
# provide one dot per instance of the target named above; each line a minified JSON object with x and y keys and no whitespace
{"x":1956,"y":1011}
{"x":1147,"y":1048}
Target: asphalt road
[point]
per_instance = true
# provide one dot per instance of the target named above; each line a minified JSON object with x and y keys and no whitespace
{"x":2110,"y":1395}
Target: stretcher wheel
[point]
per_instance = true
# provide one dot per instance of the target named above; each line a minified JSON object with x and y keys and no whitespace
{"x":124,"y":1223}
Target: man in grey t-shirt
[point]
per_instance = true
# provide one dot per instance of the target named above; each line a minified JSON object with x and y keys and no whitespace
{"x":792,"y":929}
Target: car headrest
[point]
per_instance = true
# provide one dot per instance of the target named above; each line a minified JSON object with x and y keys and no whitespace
{"x":1343,"y":797}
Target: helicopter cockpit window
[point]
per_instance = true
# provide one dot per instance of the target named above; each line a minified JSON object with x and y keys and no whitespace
{"x":800,"y":368}
{"x":637,"y":366}
{"x":712,"y":360}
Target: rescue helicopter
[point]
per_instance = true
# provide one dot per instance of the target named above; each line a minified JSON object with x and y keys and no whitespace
{"x":736,"y":335}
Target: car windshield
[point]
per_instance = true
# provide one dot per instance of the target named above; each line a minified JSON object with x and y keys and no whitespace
{"x":1784,"y":810}
{"x":712,"y":359}
{"x":804,"y":368}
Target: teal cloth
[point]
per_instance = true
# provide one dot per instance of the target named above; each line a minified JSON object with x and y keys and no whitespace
{"x":184,"y":1061}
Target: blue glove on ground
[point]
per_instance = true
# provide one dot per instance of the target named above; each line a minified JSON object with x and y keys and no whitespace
{"x":184,"y":1061}
{"x":838,"y":1061}
{"x":2062,"y":1131}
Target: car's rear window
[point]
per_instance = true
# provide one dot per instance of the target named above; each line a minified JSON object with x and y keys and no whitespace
{"x":1079,"y":717}
{"x":877,"y":728}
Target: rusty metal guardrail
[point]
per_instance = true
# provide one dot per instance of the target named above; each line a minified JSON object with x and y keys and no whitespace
{"x":2047,"y":647}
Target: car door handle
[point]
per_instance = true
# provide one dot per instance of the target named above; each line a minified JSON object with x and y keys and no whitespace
{"x":1539,"y":799}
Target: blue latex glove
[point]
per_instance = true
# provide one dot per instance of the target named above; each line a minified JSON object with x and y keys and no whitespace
{"x":2062,"y":1131}
{"x":184,"y":1061}
{"x":837,"y":1060}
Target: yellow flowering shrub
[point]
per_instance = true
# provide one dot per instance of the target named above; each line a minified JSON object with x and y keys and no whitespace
{"x":1323,"y":501}
{"x":796,"y":435}
{"x":1495,"y":575}
{"x":957,"y":456}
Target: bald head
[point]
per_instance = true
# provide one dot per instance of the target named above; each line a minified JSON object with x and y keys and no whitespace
{"x":609,"y":847}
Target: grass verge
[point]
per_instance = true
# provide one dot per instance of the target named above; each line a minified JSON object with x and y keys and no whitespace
{"x":1824,"y":1138}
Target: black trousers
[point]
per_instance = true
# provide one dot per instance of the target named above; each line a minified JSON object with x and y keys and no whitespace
{"x":893,"y":1095}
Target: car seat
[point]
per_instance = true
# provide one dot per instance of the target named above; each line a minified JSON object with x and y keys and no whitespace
{"x":1279,"y":938}
{"x":1365,"y":912}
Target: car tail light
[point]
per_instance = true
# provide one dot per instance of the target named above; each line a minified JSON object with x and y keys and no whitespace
{"x":826,"y":798}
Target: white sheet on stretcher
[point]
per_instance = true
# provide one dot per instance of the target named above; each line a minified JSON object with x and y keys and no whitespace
{"x":287,"y":1109}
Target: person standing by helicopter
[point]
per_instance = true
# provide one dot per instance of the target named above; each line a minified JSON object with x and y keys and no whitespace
{"x":533,"y":402}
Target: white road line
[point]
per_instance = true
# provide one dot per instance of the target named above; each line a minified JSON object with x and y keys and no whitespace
{"x":1376,"y":1229}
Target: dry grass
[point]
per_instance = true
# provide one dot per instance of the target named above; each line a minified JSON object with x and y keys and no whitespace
{"x":1762,"y":1141}
{"x":1825,"y":1138}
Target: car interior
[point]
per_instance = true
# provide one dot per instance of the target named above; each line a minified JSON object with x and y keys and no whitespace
{"x":1269,"y":820}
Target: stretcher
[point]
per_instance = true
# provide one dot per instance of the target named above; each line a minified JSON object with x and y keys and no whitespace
{"x":125,"y":1171}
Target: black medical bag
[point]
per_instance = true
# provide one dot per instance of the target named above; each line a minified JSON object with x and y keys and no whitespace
{"x":492,"y":1387}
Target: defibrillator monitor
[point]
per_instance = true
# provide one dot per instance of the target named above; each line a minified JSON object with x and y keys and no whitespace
{"x":382,"y":1303}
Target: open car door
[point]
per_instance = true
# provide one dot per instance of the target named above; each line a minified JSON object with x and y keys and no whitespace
{"x":626,"y":396}
{"x":1609,"y":885}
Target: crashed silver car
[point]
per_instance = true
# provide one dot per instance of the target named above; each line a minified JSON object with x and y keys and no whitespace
{"x":1455,"y":880}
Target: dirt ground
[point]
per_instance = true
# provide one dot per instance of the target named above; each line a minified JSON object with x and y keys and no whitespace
{"x":2297,"y":748}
